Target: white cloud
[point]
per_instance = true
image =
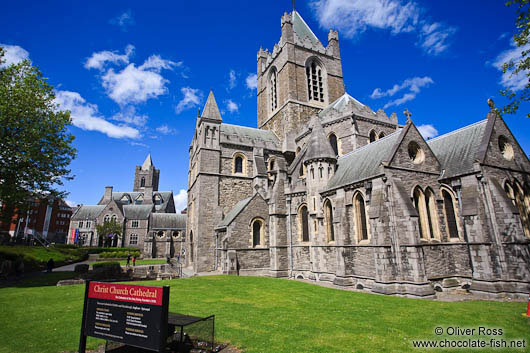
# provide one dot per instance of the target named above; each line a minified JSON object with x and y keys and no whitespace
{"x":434,"y":37}
{"x":181,"y":200}
{"x":192,"y":98}
{"x":71,"y":203}
{"x":166,"y":130}
{"x":427,"y":131}
{"x":510,"y":80}
{"x":128,"y":115}
{"x":232,"y":106}
{"x":232,"y":79}
{"x":86,"y":116}
{"x":123,"y":20}
{"x":353,"y":17}
{"x":412,"y":86}
{"x":252,"y":81}
{"x":13,"y":54}
{"x":137,"y":84}
{"x":98,"y":59}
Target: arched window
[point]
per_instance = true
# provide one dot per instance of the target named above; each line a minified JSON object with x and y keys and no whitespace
{"x":257,"y":232}
{"x":106,"y":219}
{"x":273,"y":90}
{"x":271,"y":163}
{"x":360,"y":217}
{"x":334,"y":144}
{"x":522,"y":200}
{"x":450,"y":214}
{"x":432,"y":217}
{"x":330,"y":233}
{"x":373,"y":136}
{"x":239,"y":163}
{"x":426,"y":206}
{"x":114,"y":218}
{"x":315,"y":81}
{"x":302,"y":170}
{"x":303,"y":223}
{"x":381,"y":135}
{"x":142,"y":182}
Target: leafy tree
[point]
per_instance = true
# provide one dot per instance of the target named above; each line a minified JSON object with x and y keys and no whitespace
{"x":109,"y":232}
{"x":35,"y":145}
{"x":520,"y":65}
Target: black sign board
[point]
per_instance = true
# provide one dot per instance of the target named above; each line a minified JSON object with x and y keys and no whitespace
{"x":129,"y":314}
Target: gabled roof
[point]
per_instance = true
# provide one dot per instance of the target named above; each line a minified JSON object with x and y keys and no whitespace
{"x":302,"y":30}
{"x":88,"y":212}
{"x":458,"y":150}
{"x":364,"y":162}
{"x":318,"y":146}
{"x":137,"y":211}
{"x":340,"y":105}
{"x":168,"y":221}
{"x":230,"y":216}
{"x":211,"y":111}
{"x":147,"y":163}
{"x":246,"y":135}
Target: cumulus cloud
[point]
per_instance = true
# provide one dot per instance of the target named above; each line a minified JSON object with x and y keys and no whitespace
{"x":192,"y":98}
{"x":86,"y":116}
{"x":13,"y":54}
{"x":137,"y":84}
{"x":427,"y":131}
{"x":515,"y":82}
{"x":99,"y":59}
{"x":232,"y":79}
{"x":71,"y":203}
{"x":353,"y":17}
{"x":232,"y":106}
{"x":411,"y":87}
{"x":180,"y":200}
{"x":123,"y":20}
{"x":128,"y":115}
{"x":165,"y":130}
{"x":252,"y":81}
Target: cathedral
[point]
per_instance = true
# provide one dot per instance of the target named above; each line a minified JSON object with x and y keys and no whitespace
{"x":146,"y":216}
{"x":325,"y":189}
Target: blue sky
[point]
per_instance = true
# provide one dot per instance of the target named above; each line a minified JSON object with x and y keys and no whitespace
{"x":134,"y":73}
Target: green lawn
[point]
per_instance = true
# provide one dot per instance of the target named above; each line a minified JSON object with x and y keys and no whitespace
{"x":141,"y":262}
{"x":266,"y":315}
{"x":36,"y":257}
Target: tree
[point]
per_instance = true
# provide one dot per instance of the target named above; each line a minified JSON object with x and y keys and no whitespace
{"x":35,"y":145}
{"x":520,"y":65}
{"x":109,"y":232}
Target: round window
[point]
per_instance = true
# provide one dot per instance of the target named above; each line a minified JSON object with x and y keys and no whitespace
{"x":175,"y":234}
{"x":506,"y":148}
{"x":160,"y":234}
{"x":416,"y":153}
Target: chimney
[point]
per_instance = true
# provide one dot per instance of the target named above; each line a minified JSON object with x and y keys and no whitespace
{"x":148,"y":195}
{"x":108,"y":193}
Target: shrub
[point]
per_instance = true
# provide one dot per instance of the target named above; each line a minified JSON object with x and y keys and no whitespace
{"x":81,"y":268}
{"x":104,"y":264}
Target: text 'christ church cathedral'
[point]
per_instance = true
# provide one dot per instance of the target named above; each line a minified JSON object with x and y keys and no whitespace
{"x":328,"y":190}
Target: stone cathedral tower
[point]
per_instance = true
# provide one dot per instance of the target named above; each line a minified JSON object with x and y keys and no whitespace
{"x":146,"y":176}
{"x":298,"y":79}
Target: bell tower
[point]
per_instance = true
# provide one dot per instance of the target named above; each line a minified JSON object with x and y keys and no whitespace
{"x":298,"y":79}
{"x":146,"y":176}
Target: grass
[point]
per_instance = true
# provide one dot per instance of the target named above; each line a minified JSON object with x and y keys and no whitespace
{"x":138,"y":262}
{"x":36,"y":257}
{"x":266,"y":315}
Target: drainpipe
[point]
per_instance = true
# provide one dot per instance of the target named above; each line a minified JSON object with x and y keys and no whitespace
{"x":290,"y":231}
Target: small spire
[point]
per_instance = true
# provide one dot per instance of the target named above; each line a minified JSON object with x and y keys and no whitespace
{"x":211,"y":111}
{"x":148,"y":162}
{"x":293,"y":6}
{"x":407,"y":114}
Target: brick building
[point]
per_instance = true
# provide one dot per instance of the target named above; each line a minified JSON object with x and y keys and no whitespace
{"x":328,"y":190}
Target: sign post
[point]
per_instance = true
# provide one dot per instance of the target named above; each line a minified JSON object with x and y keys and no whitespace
{"x":125,"y":313}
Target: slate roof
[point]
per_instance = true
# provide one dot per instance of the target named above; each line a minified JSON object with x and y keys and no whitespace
{"x":137,"y":211}
{"x":211,"y":111}
{"x":302,"y":30}
{"x":168,"y":221}
{"x":247,"y":135}
{"x":458,"y":150}
{"x":318,"y":146}
{"x":364,"y":162}
{"x":230,"y":216}
{"x":88,"y":212}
